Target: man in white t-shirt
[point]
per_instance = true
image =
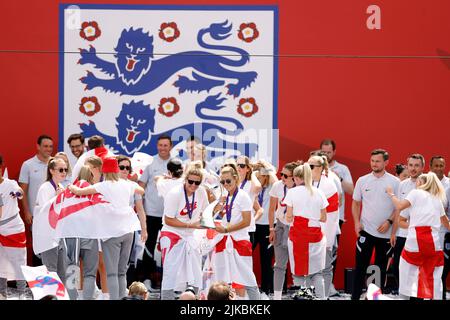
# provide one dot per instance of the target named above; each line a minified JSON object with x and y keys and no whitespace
{"x":328,"y":147}
{"x":154,"y":205}
{"x":373,"y":223}
{"x":32,"y":174}
{"x":415,"y":165}
{"x":437,"y":165}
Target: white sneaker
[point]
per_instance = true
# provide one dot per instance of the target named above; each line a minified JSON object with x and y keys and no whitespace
{"x":264,"y":296}
{"x":105,"y":296}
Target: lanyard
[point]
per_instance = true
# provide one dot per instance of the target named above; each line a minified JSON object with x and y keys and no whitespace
{"x":261,"y":196}
{"x":189,"y":207}
{"x":284,"y":196}
{"x":53,"y":184}
{"x":243,"y":184}
{"x":229,"y":208}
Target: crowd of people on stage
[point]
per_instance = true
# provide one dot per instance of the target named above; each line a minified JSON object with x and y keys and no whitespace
{"x":205,"y":218}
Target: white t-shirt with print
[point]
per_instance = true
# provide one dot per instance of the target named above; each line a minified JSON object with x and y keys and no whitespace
{"x":242,"y":202}
{"x":175,"y":207}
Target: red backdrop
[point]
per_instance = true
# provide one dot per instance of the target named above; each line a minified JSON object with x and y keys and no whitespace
{"x":401,"y":104}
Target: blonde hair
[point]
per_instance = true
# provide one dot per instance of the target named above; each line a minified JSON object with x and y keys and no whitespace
{"x":230,"y":170}
{"x":137,"y":289}
{"x":323,"y":161}
{"x":111,"y":176}
{"x":63,"y":155}
{"x":95,"y":161}
{"x":85,"y":174}
{"x":193,"y":171}
{"x":303,"y":172}
{"x":432,"y":185}
{"x":197,"y":164}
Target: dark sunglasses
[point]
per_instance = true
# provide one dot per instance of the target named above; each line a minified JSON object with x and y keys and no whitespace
{"x":61,"y":170}
{"x":313,"y":165}
{"x":285,"y":175}
{"x":121,"y":167}
{"x":197,"y":183}
{"x":227,"y":181}
{"x":242,"y":165}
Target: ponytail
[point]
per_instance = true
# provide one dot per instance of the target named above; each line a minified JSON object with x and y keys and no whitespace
{"x":304,"y":172}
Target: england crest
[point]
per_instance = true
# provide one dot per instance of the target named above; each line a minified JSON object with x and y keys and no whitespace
{"x":131,"y":73}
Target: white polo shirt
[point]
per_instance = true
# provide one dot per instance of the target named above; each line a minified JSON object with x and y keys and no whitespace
{"x":377,"y":206}
{"x":153,"y":203}
{"x":405,"y":187}
{"x":344,"y":173}
{"x":445,"y":182}
{"x":33,"y":173}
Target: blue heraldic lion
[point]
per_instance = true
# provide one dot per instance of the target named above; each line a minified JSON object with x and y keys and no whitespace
{"x":136,"y":73}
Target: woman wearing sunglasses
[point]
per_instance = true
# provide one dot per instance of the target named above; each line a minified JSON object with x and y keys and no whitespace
{"x":323,"y":180}
{"x":251,"y":185}
{"x":232,"y":258}
{"x":181,"y":255}
{"x":68,"y":179}
{"x":306,"y":211}
{"x":278,"y":235}
{"x":53,"y":253}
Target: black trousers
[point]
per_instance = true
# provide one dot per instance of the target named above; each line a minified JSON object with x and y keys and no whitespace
{"x":147,"y":266}
{"x":364,"y":248}
{"x":266,"y":257}
{"x":399,"y":245}
{"x":446,"y":265}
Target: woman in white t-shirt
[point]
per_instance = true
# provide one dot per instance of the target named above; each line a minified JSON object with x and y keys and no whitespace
{"x":266,"y":175}
{"x":173,"y":178}
{"x":251,"y":185}
{"x":181,"y":255}
{"x":53,"y":253}
{"x":13,"y":250}
{"x":323,"y":179}
{"x":232,"y":256}
{"x":307,"y":243}
{"x":278,"y":235}
{"x":116,"y":250}
{"x":422,"y":258}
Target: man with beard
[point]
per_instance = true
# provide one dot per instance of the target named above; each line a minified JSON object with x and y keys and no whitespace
{"x":373,"y":222}
{"x":415,"y":165}
{"x":76,"y":144}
